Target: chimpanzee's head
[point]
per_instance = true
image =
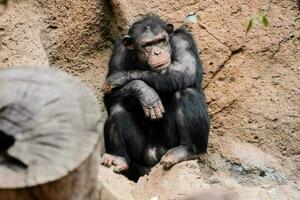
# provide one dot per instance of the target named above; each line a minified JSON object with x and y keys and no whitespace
{"x":149,"y":38}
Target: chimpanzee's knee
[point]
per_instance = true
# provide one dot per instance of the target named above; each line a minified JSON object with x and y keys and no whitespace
{"x":123,"y":134}
{"x":192,"y":119}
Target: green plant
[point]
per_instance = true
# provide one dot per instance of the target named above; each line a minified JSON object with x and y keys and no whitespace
{"x":261,"y":18}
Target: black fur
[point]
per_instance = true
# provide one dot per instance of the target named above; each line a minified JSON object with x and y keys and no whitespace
{"x":186,"y":121}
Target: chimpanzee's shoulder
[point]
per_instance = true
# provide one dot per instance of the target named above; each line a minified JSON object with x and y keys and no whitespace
{"x":181,"y":30}
{"x":182,"y":33}
{"x":117,"y":42}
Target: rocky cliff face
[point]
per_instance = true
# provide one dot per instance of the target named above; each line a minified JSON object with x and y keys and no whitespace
{"x":252,"y":84}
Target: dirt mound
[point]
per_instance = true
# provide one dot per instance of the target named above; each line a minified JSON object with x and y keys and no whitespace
{"x":252,"y":84}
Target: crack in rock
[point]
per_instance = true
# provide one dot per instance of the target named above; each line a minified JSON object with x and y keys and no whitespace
{"x":284,"y":40}
{"x":221,"y":66}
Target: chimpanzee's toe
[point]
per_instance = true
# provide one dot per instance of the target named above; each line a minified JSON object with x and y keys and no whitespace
{"x":119,"y":162}
{"x":107,"y":160}
{"x":169,"y":161}
{"x":121,"y":168}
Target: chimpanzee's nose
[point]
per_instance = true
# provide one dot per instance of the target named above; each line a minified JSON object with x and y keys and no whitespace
{"x":157,"y":51}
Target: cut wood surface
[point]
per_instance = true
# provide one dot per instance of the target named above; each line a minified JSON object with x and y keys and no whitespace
{"x":50,"y":126}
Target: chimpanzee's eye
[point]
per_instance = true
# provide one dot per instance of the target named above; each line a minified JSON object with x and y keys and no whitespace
{"x":147,"y":45}
{"x":161,"y":42}
{"x":148,"y":48}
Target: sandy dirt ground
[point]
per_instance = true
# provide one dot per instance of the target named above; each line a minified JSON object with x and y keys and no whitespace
{"x":252,"y":85}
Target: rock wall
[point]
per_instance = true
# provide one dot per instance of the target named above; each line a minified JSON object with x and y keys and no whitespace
{"x":252,"y":83}
{"x":71,"y":35}
{"x":252,"y":86}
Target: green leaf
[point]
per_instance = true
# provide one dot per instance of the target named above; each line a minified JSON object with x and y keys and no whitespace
{"x":264,"y":20}
{"x":250,"y":25}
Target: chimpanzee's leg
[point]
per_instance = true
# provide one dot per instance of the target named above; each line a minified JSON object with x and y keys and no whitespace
{"x":123,"y":138}
{"x":191,"y":124}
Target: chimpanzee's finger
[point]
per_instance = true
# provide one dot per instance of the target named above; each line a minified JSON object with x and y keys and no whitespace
{"x":158,"y":112}
{"x":152,"y":114}
{"x":146,"y":111}
{"x":161,"y":107}
{"x":103,"y":87}
{"x":106,"y":88}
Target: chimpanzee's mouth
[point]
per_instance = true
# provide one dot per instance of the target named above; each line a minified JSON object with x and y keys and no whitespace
{"x":160,"y":65}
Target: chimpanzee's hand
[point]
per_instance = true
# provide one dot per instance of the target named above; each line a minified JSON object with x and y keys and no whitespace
{"x":147,"y":96}
{"x":150,"y":100}
{"x":154,"y":112}
{"x":106,"y":88}
{"x":114,"y":81}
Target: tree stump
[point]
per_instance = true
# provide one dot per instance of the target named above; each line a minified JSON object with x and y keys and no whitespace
{"x":50,"y":127}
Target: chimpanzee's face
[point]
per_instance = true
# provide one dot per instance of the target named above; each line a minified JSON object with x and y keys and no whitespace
{"x":153,"y":48}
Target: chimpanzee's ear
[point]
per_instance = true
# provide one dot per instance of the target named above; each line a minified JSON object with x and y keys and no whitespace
{"x":170,"y":28}
{"x":127,"y":41}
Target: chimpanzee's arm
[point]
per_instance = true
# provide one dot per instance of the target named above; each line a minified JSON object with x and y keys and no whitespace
{"x":146,"y":95}
{"x":181,"y":73}
{"x":117,"y":62}
{"x":138,"y":89}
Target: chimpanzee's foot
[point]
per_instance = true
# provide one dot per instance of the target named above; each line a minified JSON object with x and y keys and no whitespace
{"x":176,"y":155}
{"x":118,"y":161}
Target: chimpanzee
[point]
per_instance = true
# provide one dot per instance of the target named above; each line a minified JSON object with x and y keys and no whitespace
{"x":153,"y":95}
